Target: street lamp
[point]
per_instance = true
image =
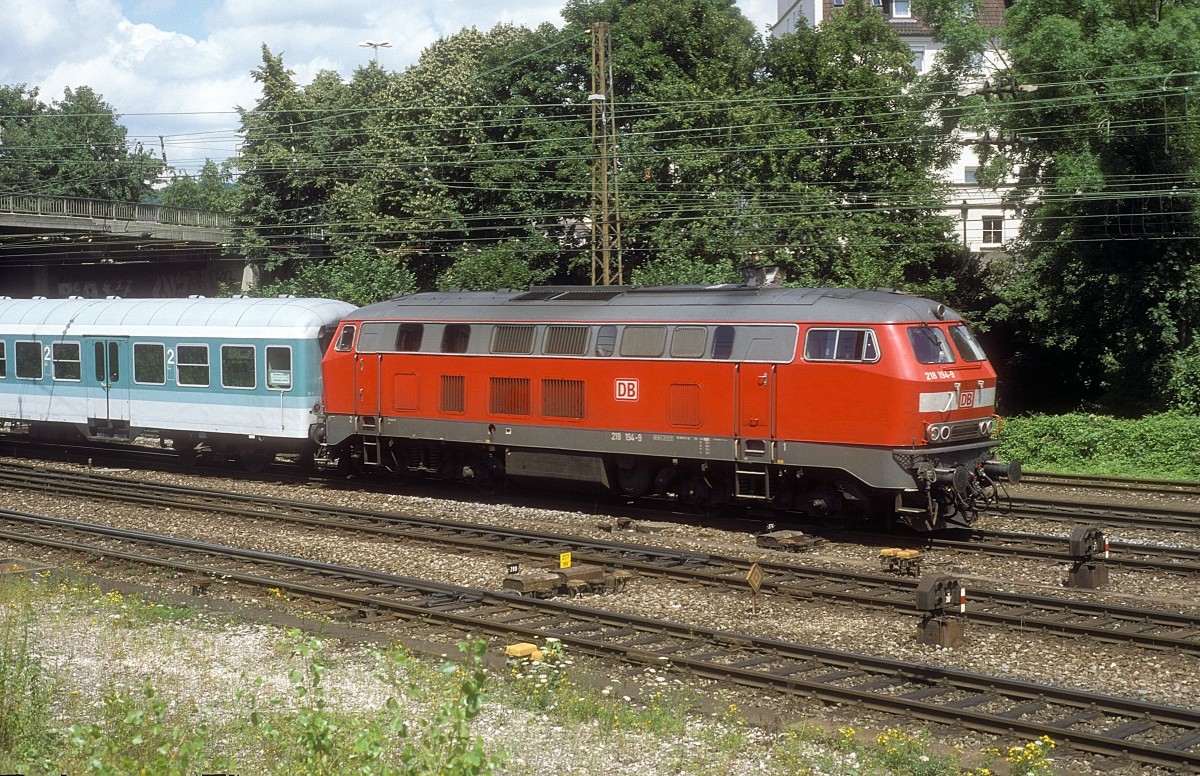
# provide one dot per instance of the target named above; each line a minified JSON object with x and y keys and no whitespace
{"x":376,"y":45}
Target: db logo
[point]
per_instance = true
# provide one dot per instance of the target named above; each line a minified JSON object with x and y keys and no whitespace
{"x":966,"y":399}
{"x":627,"y":390}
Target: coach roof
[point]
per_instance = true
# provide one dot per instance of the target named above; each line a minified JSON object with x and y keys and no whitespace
{"x":663,"y":303}
{"x":68,"y":315}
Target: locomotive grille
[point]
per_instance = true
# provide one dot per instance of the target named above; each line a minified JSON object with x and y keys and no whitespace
{"x":964,"y":429}
{"x":509,"y":396}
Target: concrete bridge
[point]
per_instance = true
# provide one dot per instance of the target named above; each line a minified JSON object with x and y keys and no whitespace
{"x":58,"y":246}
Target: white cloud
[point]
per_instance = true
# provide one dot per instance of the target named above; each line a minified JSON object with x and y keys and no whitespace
{"x":185,"y":87}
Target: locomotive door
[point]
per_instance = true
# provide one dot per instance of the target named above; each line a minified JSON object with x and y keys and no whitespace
{"x":108,"y":400}
{"x":755,"y":411}
{"x":366,"y":384}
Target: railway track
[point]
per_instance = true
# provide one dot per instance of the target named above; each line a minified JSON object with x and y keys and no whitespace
{"x":1148,"y":733}
{"x":1126,"y":484}
{"x":1104,"y":622}
{"x":1105,"y":515}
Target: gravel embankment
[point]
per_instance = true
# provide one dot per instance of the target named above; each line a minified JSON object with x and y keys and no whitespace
{"x":1144,"y":674}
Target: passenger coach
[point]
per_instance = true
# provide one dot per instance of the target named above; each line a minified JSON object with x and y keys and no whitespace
{"x":830,"y":402}
{"x":240,"y":376}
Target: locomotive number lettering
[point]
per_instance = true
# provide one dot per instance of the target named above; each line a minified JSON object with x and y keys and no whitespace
{"x":617,"y":436}
{"x":626,"y":390}
{"x":941,"y":374}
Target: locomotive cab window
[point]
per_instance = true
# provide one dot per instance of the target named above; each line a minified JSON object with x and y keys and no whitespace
{"x":856,"y":345}
{"x":29,"y":360}
{"x":279,"y":368}
{"x":149,"y":367}
{"x":930,"y":345}
{"x":237,"y":366}
{"x":345,"y":340}
{"x":64,"y":357}
{"x":193,"y":365}
{"x":966,"y":344}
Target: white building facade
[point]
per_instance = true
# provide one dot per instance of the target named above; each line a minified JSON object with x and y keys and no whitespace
{"x":984,"y":223}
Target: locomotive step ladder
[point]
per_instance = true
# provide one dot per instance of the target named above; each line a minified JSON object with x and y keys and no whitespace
{"x":368,"y":427}
{"x":752,"y":480}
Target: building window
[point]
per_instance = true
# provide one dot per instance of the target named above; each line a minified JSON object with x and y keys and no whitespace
{"x":838,"y":3}
{"x":918,"y":59}
{"x":993,"y":230}
{"x":969,"y":175}
{"x":901,"y":9}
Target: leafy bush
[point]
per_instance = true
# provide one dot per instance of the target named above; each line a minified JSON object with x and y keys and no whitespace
{"x":1163,"y":446}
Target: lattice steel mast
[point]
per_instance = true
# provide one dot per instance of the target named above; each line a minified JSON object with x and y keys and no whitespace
{"x":606,"y":208}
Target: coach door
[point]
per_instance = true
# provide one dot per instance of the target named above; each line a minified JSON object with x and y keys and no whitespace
{"x":108,"y":399}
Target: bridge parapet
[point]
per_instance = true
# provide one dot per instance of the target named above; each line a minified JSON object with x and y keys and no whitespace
{"x":106,"y":210}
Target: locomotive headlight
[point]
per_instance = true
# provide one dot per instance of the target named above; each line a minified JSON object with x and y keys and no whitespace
{"x":937,"y":432}
{"x":985,"y":427}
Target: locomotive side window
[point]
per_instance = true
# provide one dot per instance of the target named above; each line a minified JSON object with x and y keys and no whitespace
{"x":966,"y":344}
{"x":193,"y":365}
{"x":29,"y":360}
{"x":606,"y":341}
{"x":237,"y":366}
{"x":930,"y":345}
{"x":456,"y":337}
{"x":723,"y":342}
{"x":643,"y":341}
{"x":345,"y":340}
{"x":565,"y":341}
{"x":3,"y":361}
{"x":279,"y":368}
{"x":562,"y":399}
{"x":512,"y":339}
{"x":408,"y":337}
{"x":149,"y":364}
{"x":64,"y":357}
{"x":688,"y":342}
{"x":858,"y":345}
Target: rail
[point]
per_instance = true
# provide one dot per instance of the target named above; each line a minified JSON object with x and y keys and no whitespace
{"x":107,"y":210}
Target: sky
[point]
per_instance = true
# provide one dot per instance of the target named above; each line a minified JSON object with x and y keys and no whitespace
{"x":175,"y":70}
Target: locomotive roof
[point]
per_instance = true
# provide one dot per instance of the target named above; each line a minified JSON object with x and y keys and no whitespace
{"x":664,"y":303}
{"x":79,"y":315}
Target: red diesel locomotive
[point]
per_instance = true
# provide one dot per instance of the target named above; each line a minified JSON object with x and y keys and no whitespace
{"x":828,"y":402}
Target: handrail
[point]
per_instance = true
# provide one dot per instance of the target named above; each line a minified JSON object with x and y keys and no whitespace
{"x":37,"y":204}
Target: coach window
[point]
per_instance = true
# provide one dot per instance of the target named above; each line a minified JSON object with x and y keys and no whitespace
{"x":606,"y":341}
{"x":966,"y":344}
{"x":930,"y":345}
{"x":345,"y":340}
{"x":456,"y":337}
{"x":408,"y":337}
{"x":64,"y":357}
{"x":149,"y":364}
{"x":723,"y":342}
{"x":192,"y":361}
{"x":237,"y":366}
{"x":279,"y":368}
{"x":643,"y":341}
{"x":29,"y":360}
{"x":3,"y":361}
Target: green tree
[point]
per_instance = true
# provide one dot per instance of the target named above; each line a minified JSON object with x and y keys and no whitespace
{"x":1101,"y":295}
{"x":74,"y":147}
{"x":212,"y":188}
